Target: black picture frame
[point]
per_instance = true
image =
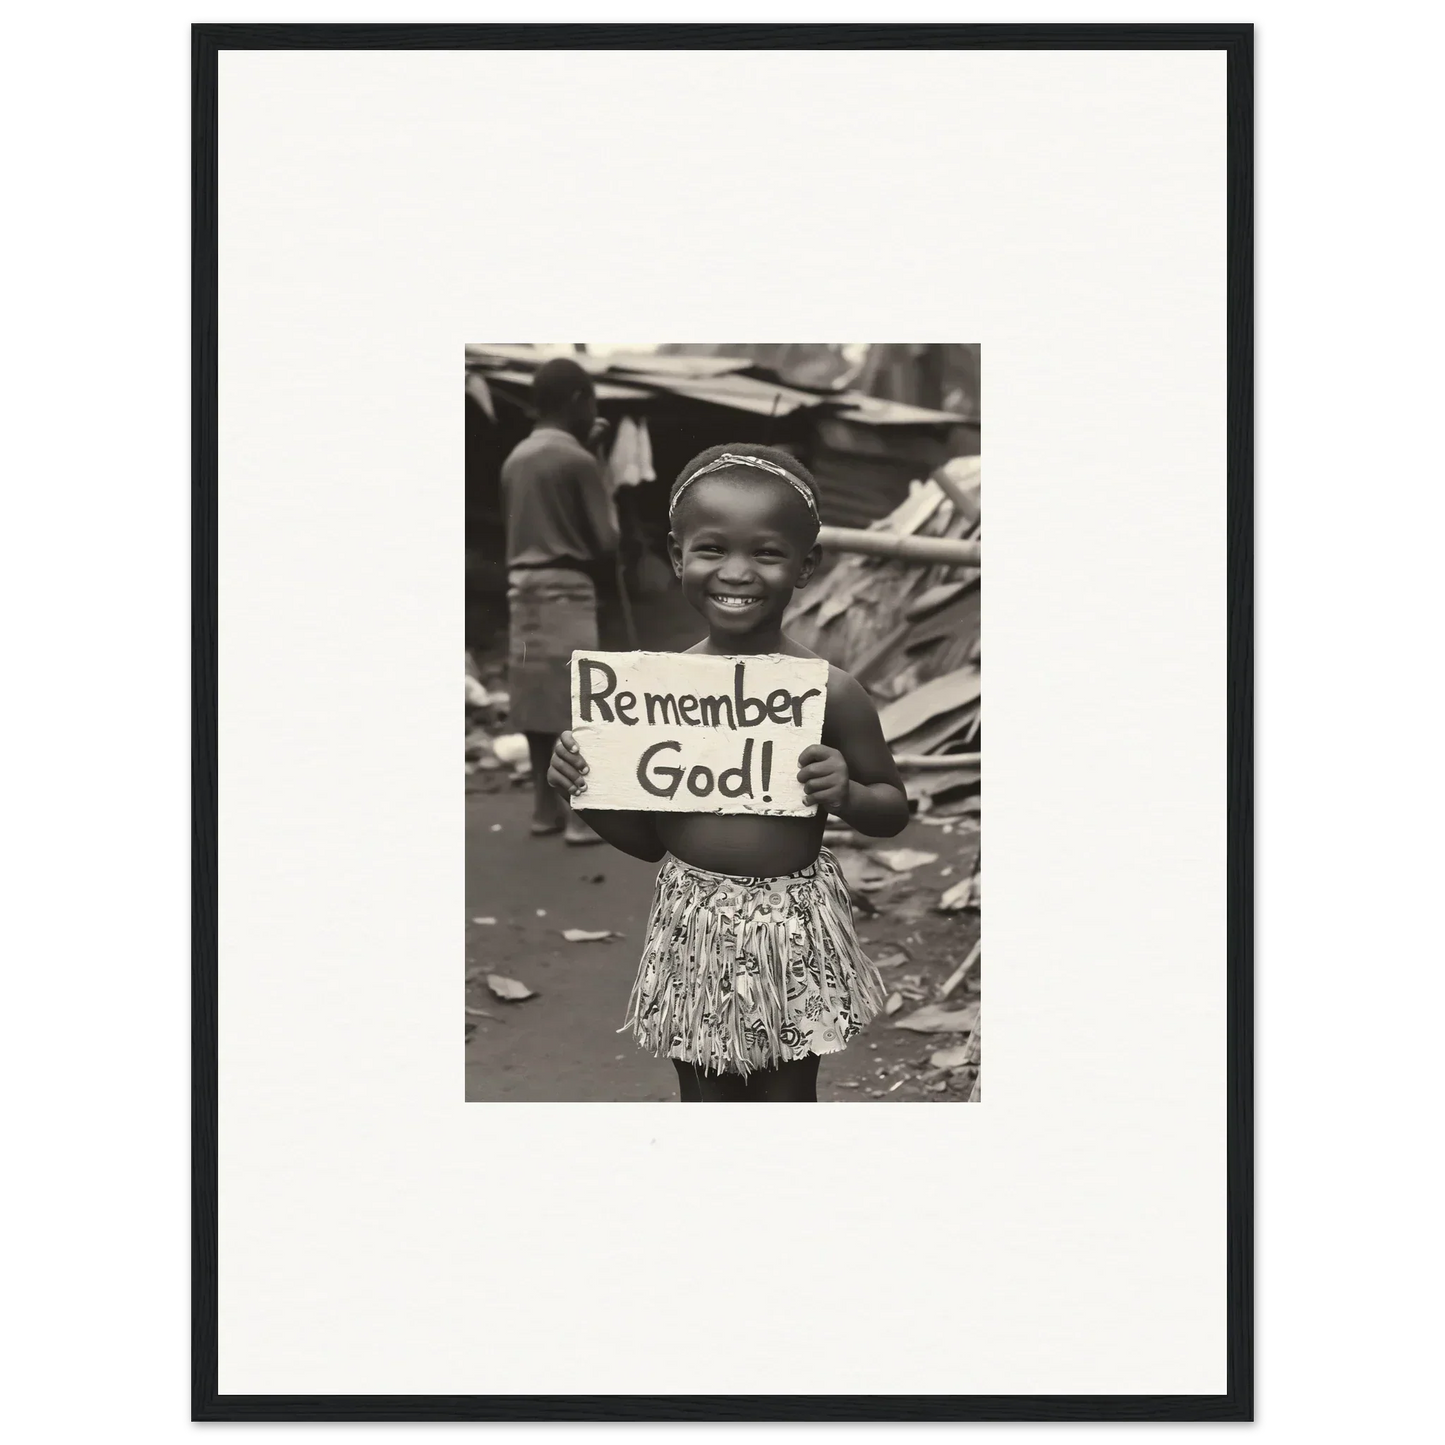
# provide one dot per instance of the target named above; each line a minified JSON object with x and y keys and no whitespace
{"x":1236,"y":1403}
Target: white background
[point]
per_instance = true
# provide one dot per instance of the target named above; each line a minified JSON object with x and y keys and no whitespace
{"x":376,"y":211}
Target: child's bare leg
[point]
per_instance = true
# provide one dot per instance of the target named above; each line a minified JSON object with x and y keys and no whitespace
{"x":721,"y":1088}
{"x":549,"y":812}
{"x":793,"y":1083}
{"x":687,"y":1087}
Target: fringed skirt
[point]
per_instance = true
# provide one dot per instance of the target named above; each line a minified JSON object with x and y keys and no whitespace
{"x":740,"y":974}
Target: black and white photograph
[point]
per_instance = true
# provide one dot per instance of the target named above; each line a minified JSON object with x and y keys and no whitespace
{"x":723,"y":723}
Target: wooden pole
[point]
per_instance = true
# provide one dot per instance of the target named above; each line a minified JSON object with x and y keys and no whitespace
{"x":947,"y":550}
{"x":628,"y":623}
{"x":963,"y":504}
{"x":957,"y":976}
{"x":937,"y":760}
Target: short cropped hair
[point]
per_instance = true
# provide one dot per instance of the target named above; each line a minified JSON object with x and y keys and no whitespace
{"x":557,"y":381}
{"x":778,"y":457}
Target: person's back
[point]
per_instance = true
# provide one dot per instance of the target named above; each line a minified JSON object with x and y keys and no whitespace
{"x":555,"y":505}
{"x":561,"y":538}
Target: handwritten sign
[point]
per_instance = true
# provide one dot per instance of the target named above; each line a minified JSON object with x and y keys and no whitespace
{"x":675,"y":732}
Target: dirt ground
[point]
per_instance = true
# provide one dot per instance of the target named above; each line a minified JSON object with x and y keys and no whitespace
{"x":562,"y":1046}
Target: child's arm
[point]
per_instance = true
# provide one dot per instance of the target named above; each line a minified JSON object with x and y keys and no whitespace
{"x":631,"y":832}
{"x":855,"y":777}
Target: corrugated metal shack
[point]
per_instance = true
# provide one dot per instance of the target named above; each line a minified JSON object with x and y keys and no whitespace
{"x":864,"y":450}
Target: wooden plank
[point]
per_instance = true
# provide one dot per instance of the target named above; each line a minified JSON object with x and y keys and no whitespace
{"x":911,"y":549}
{"x":944,"y":694}
{"x":937,"y":760}
{"x":938,"y":732}
{"x":935,"y":598}
{"x":958,"y":974}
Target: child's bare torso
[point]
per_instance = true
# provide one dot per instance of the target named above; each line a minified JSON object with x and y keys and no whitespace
{"x":745,"y":844}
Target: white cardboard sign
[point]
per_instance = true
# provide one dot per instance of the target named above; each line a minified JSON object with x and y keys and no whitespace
{"x":677,"y":732}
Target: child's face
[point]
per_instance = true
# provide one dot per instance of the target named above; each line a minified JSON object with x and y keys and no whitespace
{"x":740,"y":548}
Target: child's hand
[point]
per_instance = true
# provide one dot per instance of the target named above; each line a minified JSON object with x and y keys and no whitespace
{"x":564,"y":775}
{"x":823,"y":772}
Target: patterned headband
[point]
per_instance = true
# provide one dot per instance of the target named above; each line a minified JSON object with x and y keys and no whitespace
{"x":733,"y":459}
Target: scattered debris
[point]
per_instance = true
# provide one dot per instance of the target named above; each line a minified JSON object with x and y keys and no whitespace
{"x":900,"y":860}
{"x":541,"y":913}
{"x":496,"y":827}
{"x":908,"y":630}
{"x":957,"y":976}
{"x":896,"y":623}
{"x":479,"y":749}
{"x":950,"y":1058}
{"x":486,"y":713}
{"x":481,"y":1013}
{"x":957,"y":812}
{"x":963,"y":894}
{"x":508,"y":988}
{"x":937,"y":1088}
{"x":893,"y":1004}
{"x":511,"y":748}
{"x":935,"y":597}
{"x":912,"y":905}
{"x":933,"y":1019}
{"x":924,"y":719}
{"x":890,"y":960}
{"x":484,"y":920}
{"x":594,"y":877}
{"x":860,"y":872}
{"x":589,"y":935}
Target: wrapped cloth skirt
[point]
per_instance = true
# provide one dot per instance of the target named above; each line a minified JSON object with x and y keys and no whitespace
{"x":553,"y":611}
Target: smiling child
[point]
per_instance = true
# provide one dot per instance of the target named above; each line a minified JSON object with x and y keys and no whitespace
{"x":751,"y":968}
